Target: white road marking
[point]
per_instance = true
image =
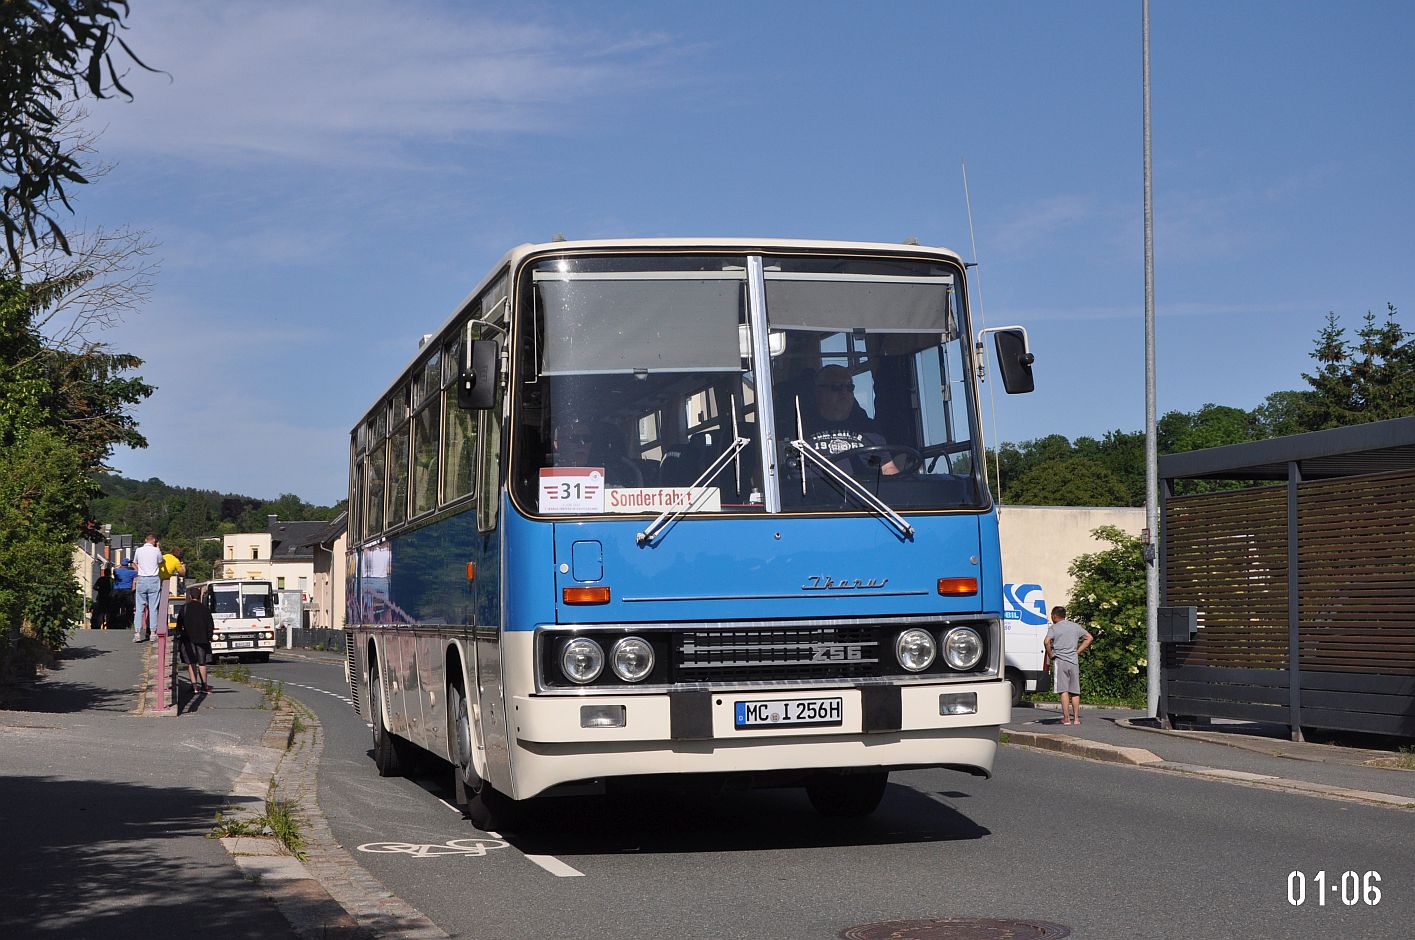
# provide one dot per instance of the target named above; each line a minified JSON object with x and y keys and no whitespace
{"x":477,"y":847}
{"x":555,"y":866}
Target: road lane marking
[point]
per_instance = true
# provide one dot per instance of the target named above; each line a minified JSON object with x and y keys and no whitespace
{"x":476,"y":847}
{"x":555,"y":866}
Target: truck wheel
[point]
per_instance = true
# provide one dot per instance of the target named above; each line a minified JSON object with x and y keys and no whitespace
{"x":488,"y":808}
{"x":847,"y":796}
{"x":1019,"y":685}
{"x":387,"y":755}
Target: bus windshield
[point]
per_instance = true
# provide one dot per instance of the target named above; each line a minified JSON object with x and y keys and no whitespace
{"x":639,"y":393}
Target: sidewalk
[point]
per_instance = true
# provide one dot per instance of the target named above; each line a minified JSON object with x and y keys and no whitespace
{"x":105,"y":810}
{"x":1119,"y":735}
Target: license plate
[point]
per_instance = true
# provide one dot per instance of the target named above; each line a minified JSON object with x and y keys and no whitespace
{"x":242,"y":644}
{"x":798,"y":712}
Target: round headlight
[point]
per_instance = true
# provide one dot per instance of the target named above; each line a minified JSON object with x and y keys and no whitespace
{"x":915,"y":649}
{"x":962,"y":647}
{"x":631,"y":659}
{"x":582,"y":660}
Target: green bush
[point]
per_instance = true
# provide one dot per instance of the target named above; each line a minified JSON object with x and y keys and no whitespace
{"x":1109,"y":601}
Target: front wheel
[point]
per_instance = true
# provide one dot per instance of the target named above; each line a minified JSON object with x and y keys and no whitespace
{"x":1018,"y":684}
{"x":488,"y":808}
{"x":847,"y":796}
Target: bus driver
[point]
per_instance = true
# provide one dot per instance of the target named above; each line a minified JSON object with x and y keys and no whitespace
{"x":839,"y":425}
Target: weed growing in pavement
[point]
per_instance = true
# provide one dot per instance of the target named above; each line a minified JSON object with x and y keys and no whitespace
{"x":1406,"y":760}
{"x":236,"y":673}
{"x":1004,"y":738}
{"x":279,"y":821}
{"x":272,"y":694}
{"x":297,"y":726}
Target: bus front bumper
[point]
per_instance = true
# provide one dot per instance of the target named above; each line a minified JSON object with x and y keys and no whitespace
{"x":551,"y":746}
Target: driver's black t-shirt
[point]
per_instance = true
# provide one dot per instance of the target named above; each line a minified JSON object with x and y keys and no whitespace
{"x":836,"y":440}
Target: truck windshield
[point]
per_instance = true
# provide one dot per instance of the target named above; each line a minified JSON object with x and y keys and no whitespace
{"x":636,"y":379}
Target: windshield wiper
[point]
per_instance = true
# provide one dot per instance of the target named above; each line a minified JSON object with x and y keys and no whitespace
{"x":668,"y":516}
{"x":852,"y":485}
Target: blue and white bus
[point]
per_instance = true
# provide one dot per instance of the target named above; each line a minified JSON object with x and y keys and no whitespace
{"x":644,"y":508}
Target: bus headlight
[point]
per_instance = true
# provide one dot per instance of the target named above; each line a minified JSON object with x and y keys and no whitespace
{"x":631,"y":659}
{"x":915,"y":649}
{"x":962,"y":648}
{"x":582,"y":660}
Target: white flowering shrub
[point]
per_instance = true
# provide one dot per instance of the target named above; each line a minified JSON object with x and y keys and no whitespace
{"x":1109,"y":601}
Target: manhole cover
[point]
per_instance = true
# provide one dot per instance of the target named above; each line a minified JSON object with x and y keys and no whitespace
{"x":958,"y":928}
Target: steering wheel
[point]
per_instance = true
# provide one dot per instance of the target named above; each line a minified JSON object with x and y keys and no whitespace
{"x":906,"y":459}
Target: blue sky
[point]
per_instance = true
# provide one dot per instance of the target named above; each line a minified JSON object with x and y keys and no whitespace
{"x":328,"y":179}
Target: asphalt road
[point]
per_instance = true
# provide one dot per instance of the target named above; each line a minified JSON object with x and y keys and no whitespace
{"x":1108,"y":851}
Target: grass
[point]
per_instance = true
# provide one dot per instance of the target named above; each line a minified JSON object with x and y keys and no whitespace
{"x":1112,"y":701}
{"x":231,"y":672}
{"x":272,"y":694}
{"x":1406,"y":758}
{"x":279,"y":821}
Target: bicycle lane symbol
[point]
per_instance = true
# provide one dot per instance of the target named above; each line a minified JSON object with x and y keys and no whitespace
{"x":474,"y":847}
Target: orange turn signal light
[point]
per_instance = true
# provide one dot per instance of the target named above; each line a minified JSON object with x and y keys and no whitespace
{"x":957,"y":587}
{"x":585,"y":595}
{"x":471,"y":571}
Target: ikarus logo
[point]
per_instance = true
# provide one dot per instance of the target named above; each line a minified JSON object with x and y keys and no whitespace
{"x":1024,"y":603}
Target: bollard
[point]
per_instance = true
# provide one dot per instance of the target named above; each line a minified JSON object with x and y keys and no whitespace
{"x":166,"y":699}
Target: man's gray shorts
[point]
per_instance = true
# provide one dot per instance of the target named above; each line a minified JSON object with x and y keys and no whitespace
{"x":1068,"y":677}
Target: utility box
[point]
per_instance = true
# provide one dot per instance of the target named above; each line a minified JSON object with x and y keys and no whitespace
{"x":1177,"y":624}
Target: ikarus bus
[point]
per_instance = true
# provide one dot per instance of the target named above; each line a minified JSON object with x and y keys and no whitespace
{"x":665,"y":507}
{"x":243,"y":615}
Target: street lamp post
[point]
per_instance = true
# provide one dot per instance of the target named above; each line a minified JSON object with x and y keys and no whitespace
{"x":1152,"y":580}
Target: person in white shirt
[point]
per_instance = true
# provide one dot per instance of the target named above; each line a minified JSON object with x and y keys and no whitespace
{"x":147,"y":589}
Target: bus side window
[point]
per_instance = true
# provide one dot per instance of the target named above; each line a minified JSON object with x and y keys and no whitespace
{"x":459,"y":434}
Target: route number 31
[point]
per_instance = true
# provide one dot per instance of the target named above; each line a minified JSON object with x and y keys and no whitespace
{"x":1352,"y":887}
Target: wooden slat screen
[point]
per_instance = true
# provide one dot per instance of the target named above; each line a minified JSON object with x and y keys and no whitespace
{"x":1356,"y":570}
{"x":1226,"y":554}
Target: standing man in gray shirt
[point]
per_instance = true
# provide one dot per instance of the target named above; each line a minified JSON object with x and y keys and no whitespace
{"x":1065,"y":642}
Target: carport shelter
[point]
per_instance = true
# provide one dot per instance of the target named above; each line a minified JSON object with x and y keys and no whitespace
{"x":1293,"y":602}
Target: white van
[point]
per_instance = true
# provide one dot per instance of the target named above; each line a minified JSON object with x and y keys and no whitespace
{"x":243,"y":614}
{"x":1024,"y":628}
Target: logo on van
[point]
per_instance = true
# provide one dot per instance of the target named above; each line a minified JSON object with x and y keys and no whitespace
{"x":1024,"y":603}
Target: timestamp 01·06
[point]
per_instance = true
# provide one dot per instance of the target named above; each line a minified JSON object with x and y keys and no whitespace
{"x":1351,"y":887}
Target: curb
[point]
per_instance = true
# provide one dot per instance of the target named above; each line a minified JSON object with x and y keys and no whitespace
{"x":327,"y":893}
{"x":1078,"y":747}
{"x":1139,"y":757}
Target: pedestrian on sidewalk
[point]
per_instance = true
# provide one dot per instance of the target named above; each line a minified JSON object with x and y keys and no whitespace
{"x":172,"y":566}
{"x":1065,"y":642}
{"x":195,"y":624}
{"x":122,"y":612}
{"x":102,"y":600}
{"x":147,"y":589}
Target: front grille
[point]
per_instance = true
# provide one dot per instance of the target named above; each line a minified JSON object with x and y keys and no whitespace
{"x":757,"y":655}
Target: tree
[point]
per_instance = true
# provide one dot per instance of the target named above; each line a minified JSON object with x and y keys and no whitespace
{"x":1069,"y":481}
{"x":1109,"y":599}
{"x":55,"y":52}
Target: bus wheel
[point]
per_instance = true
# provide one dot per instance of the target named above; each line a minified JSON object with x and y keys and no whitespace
{"x":1014,"y":679}
{"x":487,"y":808}
{"x":847,"y":795}
{"x":387,"y":755}
{"x":262,"y":657}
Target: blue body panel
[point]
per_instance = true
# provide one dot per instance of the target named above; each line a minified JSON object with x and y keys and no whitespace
{"x":699,"y":570}
{"x":714,"y":569}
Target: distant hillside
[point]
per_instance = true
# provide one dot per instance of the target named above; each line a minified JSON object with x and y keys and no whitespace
{"x":183,"y":516}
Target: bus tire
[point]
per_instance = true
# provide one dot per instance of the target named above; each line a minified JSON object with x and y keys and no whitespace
{"x":847,"y":796}
{"x":488,"y":808}
{"x":387,"y":754}
{"x":262,"y":657}
{"x":1019,"y":685}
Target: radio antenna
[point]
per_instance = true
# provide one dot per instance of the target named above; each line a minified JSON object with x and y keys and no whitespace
{"x":982,"y":317}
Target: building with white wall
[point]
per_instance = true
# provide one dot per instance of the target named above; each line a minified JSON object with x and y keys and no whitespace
{"x":1039,"y":543}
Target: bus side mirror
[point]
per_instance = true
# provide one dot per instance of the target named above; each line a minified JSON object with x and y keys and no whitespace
{"x":476,"y":386}
{"x":1015,"y":361}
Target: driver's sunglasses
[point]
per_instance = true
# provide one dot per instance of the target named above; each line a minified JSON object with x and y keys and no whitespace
{"x":837,"y":387}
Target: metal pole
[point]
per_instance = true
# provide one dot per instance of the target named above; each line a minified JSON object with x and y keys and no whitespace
{"x":1152,"y":577}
